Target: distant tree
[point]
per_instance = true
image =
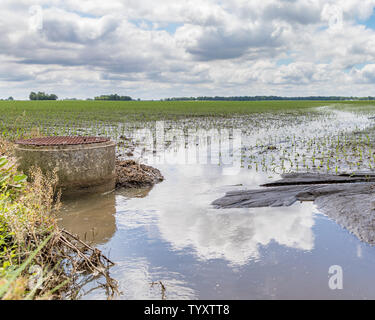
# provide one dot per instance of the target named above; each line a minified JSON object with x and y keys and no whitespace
{"x":10,"y":98}
{"x":32,"y":96}
{"x":42,"y":96}
{"x":265,"y":98}
{"x":113,"y":97}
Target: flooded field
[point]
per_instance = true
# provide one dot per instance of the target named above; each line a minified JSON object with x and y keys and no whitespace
{"x":170,"y":242}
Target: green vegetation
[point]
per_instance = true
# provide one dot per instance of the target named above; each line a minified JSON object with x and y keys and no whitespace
{"x":268,"y":98}
{"x":37,"y":111}
{"x":113,"y":97}
{"x":42,"y":96}
{"x":37,"y":259}
{"x":118,"y":119}
{"x":17,"y":118}
{"x":25,"y":228}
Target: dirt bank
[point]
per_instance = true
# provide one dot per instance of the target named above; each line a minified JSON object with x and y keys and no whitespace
{"x":348,"y":199}
{"x":130,"y":174}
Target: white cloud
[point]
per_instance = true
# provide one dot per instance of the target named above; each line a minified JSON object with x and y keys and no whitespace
{"x":364,"y":75}
{"x":154,"y":49}
{"x":235,"y":235}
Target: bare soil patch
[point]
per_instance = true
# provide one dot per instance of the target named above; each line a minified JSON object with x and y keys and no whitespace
{"x":130,"y":174}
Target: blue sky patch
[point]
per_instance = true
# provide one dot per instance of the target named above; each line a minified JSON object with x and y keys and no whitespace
{"x":284,"y":62}
{"x":358,"y":66}
{"x":86,"y":15}
{"x":170,"y":27}
{"x":369,"y":23}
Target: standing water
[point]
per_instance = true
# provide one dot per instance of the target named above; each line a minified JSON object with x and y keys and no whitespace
{"x":172,"y":234}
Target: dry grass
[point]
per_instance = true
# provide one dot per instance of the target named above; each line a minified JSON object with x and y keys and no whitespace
{"x":6,"y":148}
{"x":59,"y":261}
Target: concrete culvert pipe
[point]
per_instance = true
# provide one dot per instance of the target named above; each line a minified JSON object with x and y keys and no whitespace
{"x":84,"y":164}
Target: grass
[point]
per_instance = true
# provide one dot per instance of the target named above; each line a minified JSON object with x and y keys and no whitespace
{"x":151,"y":110}
{"x":37,"y":259}
{"x":19,"y":117}
{"x":25,"y":224}
{"x":122,"y":119}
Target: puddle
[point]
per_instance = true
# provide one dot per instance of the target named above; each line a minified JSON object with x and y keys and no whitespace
{"x":171,"y":233}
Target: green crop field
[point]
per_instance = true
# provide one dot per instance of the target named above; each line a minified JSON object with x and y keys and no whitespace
{"x":143,"y":110}
{"x":17,"y":118}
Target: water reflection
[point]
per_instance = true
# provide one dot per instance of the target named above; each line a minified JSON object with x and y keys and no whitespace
{"x":136,"y":277}
{"x":92,"y":218}
{"x":134,"y":192}
{"x":172,"y":234}
{"x":235,"y":235}
{"x":186,"y":219}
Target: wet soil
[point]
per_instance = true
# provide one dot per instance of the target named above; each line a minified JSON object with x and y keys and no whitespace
{"x":348,"y":199}
{"x":130,"y":174}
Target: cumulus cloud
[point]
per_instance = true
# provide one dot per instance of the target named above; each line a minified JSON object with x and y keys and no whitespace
{"x":234,"y":235}
{"x":365,"y":74}
{"x":154,"y":49}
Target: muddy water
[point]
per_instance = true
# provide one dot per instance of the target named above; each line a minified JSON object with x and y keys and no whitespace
{"x":172,"y":234}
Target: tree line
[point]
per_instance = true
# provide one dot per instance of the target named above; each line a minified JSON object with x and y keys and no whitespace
{"x":42,"y":96}
{"x":113,"y":97}
{"x":109,"y":97}
{"x":265,"y":98}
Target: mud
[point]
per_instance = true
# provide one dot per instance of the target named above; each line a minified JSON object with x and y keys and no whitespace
{"x":349,"y":200}
{"x":130,"y":174}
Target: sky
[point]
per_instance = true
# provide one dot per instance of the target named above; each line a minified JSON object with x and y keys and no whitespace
{"x":156,"y":49}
